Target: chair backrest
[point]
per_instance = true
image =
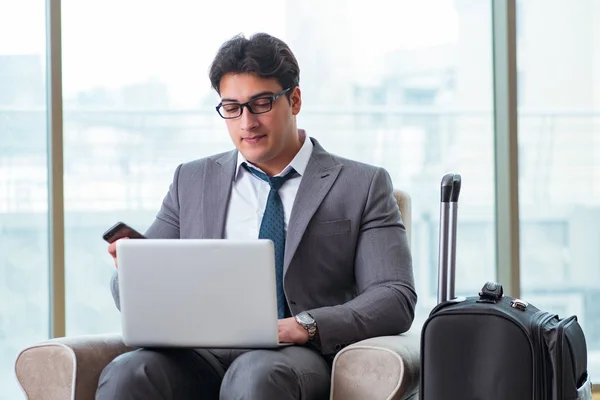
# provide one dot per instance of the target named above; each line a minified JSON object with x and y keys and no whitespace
{"x":404,"y":204}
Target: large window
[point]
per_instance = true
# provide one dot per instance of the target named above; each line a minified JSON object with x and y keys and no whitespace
{"x":559,"y":189}
{"x":408,"y":93}
{"x":23,"y":185}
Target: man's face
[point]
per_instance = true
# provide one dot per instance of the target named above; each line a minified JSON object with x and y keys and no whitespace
{"x":268,"y":139}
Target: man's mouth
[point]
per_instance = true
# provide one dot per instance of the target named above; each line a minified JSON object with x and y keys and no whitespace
{"x":253,"y":139}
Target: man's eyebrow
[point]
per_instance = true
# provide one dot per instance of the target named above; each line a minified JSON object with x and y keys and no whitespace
{"x":256,"y":96}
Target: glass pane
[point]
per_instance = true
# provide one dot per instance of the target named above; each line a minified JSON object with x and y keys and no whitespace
{"x":409,"y":89}
{"x":559,"y":98}
{"x":23,"y":185}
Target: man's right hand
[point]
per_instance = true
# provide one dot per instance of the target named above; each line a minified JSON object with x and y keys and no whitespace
{"x":112,"y":250}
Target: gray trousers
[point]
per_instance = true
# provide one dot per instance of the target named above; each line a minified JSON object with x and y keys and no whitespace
{"x":294,"y":372}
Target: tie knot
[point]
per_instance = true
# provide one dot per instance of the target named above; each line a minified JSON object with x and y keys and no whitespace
{"x":276,"y":181}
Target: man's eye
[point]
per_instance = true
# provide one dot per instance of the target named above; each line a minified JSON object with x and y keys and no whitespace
{"x":231,"y":107}
{"x":261,"y":103}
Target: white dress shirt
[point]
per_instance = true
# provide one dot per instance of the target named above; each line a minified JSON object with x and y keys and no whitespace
{"x":249,"y":195}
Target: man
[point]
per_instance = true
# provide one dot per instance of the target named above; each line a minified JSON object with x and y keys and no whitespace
{"x":345,"y":274}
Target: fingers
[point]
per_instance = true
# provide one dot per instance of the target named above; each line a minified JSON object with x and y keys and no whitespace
{"x":291,"y":332}
{"x":283,"y":333}
{"x":112,"y":250}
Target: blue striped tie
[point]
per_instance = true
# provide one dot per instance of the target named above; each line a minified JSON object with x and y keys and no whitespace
{"x":273,"y":227}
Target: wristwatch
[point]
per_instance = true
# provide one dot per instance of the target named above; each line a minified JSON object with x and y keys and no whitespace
{"x":308,"y":323}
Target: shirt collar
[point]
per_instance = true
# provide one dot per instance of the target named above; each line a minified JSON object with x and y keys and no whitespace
{"x":299,"y":162}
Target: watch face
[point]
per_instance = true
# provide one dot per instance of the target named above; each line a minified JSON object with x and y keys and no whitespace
{"x":305,"y":318}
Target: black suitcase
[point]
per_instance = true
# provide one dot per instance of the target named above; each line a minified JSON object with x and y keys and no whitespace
{"x":491,"y":346}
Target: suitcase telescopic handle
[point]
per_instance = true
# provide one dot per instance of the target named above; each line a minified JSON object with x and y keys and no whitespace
{"x":450,"y":191}
{"x":447,"y":183}
{"x":456,"y":184}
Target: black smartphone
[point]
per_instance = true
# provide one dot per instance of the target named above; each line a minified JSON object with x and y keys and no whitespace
{"x":119,"y":231}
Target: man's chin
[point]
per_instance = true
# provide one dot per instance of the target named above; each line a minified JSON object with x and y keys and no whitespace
{"x":255,"y":157}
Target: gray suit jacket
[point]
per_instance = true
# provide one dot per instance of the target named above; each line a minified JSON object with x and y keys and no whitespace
{"x":347,"y":260}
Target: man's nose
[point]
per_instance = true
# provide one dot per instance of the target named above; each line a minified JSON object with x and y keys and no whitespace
{"x":249,"y":121}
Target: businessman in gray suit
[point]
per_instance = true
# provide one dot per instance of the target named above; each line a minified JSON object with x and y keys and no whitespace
{"x":344,"y":270}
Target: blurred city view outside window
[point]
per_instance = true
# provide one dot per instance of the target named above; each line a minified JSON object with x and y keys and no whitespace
{"x":24,"y":304}
{"x":558,"y":59}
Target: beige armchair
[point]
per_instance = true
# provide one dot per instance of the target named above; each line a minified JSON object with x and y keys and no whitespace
{"x":68,"y":368}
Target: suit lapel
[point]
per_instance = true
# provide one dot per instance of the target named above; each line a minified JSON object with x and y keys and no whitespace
{"x":321,"y":172}
{"x":217,"y":180}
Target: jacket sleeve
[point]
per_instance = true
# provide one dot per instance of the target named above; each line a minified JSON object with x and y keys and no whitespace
{"x":386,"y":299}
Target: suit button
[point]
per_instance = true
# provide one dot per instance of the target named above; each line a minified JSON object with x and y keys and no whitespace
{"x":337,"y":347}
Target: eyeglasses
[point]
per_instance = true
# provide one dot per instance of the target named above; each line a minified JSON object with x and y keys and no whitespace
{"x":259,"y":105}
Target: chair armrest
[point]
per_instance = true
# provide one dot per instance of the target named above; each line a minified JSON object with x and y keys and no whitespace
{"x":66,"y":368}
{"x":386,"y":367}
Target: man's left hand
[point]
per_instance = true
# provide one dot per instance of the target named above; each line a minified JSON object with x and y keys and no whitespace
{"x":290,"y":331}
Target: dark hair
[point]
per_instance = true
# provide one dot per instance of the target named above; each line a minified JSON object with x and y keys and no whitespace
{"x":261,"y":54}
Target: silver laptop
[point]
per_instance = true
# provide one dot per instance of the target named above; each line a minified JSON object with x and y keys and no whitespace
{"x":211,"y":293}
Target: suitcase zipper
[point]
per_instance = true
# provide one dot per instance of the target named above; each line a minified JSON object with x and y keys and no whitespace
{"x":540,"y":361}
{"x":560,"y":333}
{"x":540,"y":323}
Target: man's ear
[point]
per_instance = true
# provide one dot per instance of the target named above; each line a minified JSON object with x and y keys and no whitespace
{"x":296,"y":100}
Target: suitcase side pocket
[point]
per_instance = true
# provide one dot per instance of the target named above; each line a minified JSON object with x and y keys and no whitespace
{"x":565,"y":379}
